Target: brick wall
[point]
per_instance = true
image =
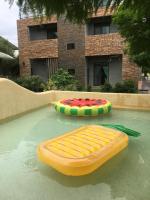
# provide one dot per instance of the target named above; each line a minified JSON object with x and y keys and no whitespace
{"x":105,"y":44}
{"x":102,"y":12}
{"x":108,"y":45}
{"x":129,"y":69}
{"x":34,"y":49}
{"x":111,"y":44}
{"x":75,"y":58}
{"x":90,"y":45}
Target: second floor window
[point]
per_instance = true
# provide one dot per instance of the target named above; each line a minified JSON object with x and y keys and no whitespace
{"x":43,"y":31}
{"x":103,"y":3}
{"x":101,"y":25}
{"x":101,"y":28}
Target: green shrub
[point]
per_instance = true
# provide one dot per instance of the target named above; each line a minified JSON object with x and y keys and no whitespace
{"x":130,"y":86}
{"x":119,"y":88}
{"x":34,"y":83}
{"x":107,"y":87}
{"x":79,"y":87}
{"x":89,"y":88}
{"x":127,"y":86}
{"x":50,"y":85}
{"x":62,"y":80}
{"x":9,"y":67}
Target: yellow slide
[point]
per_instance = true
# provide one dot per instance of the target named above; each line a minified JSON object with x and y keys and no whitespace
{"x":83,"y":150}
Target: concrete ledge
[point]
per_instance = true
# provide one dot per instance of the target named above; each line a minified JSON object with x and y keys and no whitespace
{"x":15,"y":100}
{"x":119,"y":100}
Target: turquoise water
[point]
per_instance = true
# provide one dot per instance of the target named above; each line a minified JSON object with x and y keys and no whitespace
{"x":23,"y":177}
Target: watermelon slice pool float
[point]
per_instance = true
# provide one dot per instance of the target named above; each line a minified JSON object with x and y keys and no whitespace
{"x":83,"y":107}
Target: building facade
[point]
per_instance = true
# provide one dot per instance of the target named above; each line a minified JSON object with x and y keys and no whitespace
{"x":93,"y":52}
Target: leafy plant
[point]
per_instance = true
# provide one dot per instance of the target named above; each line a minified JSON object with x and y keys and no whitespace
{"x":62,"y":80}
{"x":127,"y":86}
{"x":9,"y":67}
{"x":50,"y":85}
{"x":134,"y":26}
{"x":7,"y":47}
{"x":33,"y":83}
{"x":118,"y":88}
{"x":107,"y":87}
{"x":89,"y":88}
{"x":77,"y":10}
{"x":79,"y":87}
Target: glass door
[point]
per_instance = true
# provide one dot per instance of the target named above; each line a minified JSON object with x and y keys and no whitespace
{"x":101,"y":74}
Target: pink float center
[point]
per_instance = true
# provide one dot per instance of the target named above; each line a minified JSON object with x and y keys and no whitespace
{"x":84,"y":102}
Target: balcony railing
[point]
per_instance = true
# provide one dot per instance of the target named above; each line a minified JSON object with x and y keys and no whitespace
{"x":105,"y":44}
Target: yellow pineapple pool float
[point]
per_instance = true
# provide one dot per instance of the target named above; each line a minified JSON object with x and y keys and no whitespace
{"x":83,"y":150}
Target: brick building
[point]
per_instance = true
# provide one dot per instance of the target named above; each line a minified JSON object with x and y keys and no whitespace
{"x":92,"y":52}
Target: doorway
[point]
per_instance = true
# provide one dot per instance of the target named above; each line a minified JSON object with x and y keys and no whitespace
{"x":100,"y":73}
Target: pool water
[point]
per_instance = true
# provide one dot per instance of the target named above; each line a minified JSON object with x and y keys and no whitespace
{"x":23,"y":177}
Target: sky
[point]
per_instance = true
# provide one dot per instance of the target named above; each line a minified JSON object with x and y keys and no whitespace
{"x":8,"y":17}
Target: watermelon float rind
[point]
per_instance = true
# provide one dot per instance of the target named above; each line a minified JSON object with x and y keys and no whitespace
{"x":83,"y":107}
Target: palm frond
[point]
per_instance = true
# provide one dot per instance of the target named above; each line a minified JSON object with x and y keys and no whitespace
{"x":73,"y":10}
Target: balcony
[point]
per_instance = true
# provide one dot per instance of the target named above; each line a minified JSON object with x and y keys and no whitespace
{"x":104,"y":44}
{"x":102,"y":37}
{"x":42,"y":48}
{"x":36,"y":39}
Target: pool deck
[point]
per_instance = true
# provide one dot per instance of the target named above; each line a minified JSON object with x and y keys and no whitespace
{"x":16,"y":100}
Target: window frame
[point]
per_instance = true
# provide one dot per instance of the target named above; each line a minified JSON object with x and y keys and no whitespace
{"x":101,"y":26}
{"x":46,"y":28}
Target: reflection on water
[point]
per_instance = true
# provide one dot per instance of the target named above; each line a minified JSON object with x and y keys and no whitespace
{"x":125,"y":177}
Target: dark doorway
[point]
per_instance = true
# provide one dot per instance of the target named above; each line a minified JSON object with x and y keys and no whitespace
{"x":101,"y":73}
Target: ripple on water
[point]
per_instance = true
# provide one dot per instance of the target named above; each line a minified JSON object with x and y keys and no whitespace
{"x":125,"y":177}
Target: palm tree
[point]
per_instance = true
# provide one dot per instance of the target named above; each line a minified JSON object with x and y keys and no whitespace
{"x":74,"y":10}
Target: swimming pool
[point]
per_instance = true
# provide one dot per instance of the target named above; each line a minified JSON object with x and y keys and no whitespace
{"x":23,"y":177}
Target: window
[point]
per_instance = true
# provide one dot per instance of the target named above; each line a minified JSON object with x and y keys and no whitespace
{"x":44,"y":67}
{"x":70,"y":46}
{"x":101,"y":25}
{"x":113,"y":28}
{"x":52,"y":32}
{"x":101,"y":28}
{"x":43,"y":31}
{"x":103,"y":3}
{"x":71,"y":72}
